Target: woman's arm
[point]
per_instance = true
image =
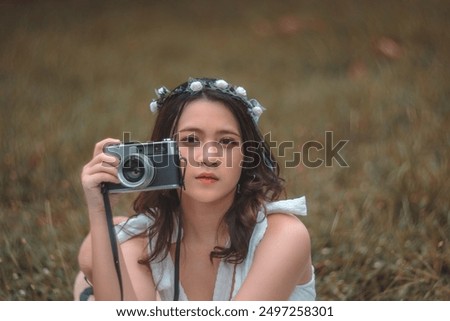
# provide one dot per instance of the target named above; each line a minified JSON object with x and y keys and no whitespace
{"x":141,"y":277}
{"x":282,"y":260}
{"x":102,"y":168}
{"x":85,"y":251}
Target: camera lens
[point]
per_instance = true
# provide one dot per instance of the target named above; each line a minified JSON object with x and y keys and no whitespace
{"x":136,"y":171}
{"x":133,"y":169}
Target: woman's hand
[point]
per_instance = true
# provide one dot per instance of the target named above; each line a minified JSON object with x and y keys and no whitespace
{"x":102,"y":168}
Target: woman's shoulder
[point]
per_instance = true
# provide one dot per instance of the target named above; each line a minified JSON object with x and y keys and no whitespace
{"x":292,"y":240}
{"x":286,"y":229}
{"x":283,"y":217}
{"x":279,"y":222}
{"x":284,"y":226}
{"x":280,"y":214}
{"x":279,"y":247}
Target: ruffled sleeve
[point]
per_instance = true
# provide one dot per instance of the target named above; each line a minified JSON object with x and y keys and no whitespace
{"x":135,"y":225}
{"x":296,"y":206}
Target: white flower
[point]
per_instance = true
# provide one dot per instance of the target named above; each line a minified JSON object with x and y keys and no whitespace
{"x":196,"y":86}
{"x":161,"y":92}
{"x":154,"y":106}
{"x":221,"y":84}
{"x":241,"y":92}
{"x":257,"y":111}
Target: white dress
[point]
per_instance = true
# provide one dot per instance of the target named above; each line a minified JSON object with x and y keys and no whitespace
{"x":163,"y":271}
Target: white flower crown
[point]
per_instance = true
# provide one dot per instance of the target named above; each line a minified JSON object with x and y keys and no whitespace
{"x":195,"y":86}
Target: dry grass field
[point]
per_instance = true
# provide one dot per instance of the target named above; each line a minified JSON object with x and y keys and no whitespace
{"x":373,"y":73}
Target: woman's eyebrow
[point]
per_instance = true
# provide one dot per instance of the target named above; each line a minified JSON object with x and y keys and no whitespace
{"x":228,"y":132}
{"x":190,"y":129}
{"x":219,"y":132}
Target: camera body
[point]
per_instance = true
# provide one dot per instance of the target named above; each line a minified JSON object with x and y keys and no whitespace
{"x":146,"y":166}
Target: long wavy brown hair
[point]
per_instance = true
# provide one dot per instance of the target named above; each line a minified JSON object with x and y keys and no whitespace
{"x":259,"y":182}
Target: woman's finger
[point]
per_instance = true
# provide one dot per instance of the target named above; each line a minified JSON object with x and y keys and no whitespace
{"x":105,"y":142}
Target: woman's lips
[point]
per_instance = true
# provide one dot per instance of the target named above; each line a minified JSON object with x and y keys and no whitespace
{"x":207,"y":178}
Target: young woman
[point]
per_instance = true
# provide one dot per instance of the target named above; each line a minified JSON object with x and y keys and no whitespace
{"x":237,"y":241}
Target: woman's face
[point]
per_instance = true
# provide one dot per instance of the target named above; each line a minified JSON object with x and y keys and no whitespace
{"x":210,"y":141}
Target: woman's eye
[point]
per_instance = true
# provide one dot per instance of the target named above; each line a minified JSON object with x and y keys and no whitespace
{"x":189,"y":141}
{"x":229,"y":142}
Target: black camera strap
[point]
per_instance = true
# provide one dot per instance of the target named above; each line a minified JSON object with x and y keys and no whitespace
{"x":176,"y":277}
{"x":112,"y":235}
{"x":176,"y":273}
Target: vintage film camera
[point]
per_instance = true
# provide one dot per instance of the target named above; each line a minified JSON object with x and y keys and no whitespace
{"x":146,"y":166}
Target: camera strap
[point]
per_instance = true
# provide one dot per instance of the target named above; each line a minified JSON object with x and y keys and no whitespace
{"x":176,"y":275}
{"x":112,"y":235}
{"x":176,"y":294}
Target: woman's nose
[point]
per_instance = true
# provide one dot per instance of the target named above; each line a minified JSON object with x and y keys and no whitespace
{"x":209,"y":154}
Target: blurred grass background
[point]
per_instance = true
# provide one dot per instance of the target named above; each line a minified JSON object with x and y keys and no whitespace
{"x":375,"y":73}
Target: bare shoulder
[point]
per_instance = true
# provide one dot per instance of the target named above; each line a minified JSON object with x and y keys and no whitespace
{"x":287,"y":227}
{"x":292,"y":242}
{"x":281,"y":261}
